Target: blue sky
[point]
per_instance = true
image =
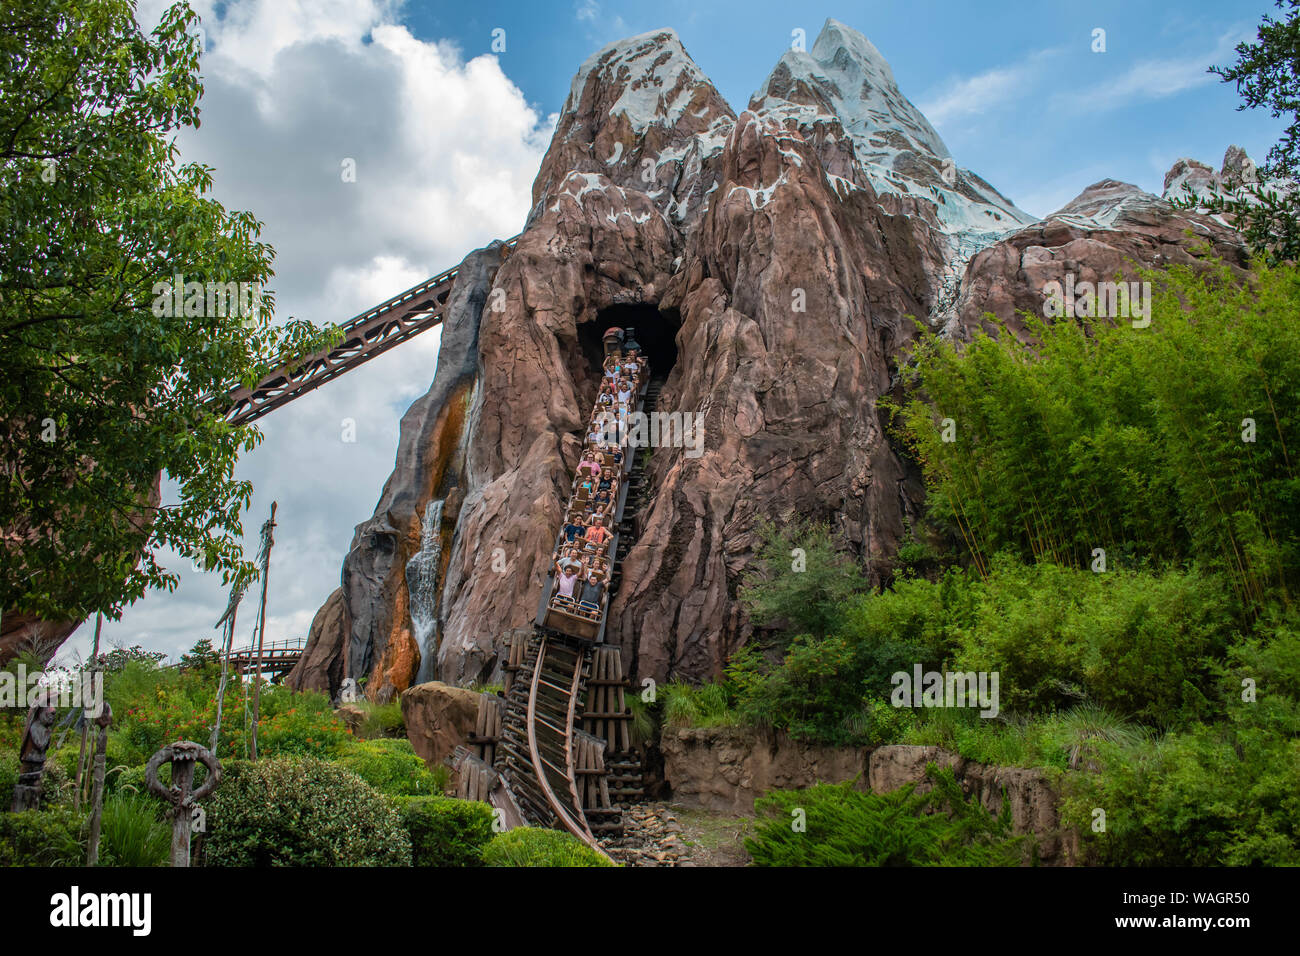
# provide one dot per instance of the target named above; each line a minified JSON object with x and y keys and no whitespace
{"x":1015,"y":89}
{"x":447,"y":138}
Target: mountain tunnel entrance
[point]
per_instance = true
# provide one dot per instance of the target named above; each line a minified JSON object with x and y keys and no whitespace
{"x":654,"y":330}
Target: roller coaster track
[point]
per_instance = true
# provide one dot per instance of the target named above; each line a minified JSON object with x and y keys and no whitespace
{"x":370,"y":334}
{"x":544,"y":755}
{"x":550,"y":742}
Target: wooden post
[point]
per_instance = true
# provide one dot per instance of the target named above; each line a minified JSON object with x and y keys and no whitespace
{"x":269,"y":530}
{"x":83,"y":758}
{"x":182,"y":756}
{"x":228,"y":642}
{"x":103,"y":721}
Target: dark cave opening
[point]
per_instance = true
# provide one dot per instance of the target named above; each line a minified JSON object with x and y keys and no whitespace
{"x":655,"y":331}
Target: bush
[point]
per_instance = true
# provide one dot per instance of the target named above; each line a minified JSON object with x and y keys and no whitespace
{"x":391,"y":766}
{"x":447,"y":832}
{"x":686,"y":705}
{"x":802,"y":594}
{"x":300,"y":811}
{"x":1208,"y":797}
{"x":42,"y":838}
{"x":153,"y":707}
{"x":381,"y":720}
{"x":131,"y":833}
{"x":901,"y":828}
{"x":8,"y":776}
{"x":526,"y":846}
{"x":1135,"y":642}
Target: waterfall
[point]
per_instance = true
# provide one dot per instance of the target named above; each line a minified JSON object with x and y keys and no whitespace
{"x":422,"y":587}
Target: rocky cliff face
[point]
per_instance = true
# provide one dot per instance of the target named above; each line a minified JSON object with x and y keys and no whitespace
{"x":770,"y":262}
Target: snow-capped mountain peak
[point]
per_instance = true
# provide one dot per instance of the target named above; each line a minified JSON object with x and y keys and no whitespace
{"x":845,"y":78}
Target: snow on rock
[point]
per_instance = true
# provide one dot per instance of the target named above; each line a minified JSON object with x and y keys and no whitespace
{"x":845,"y":82}
{"x":641,"y":112}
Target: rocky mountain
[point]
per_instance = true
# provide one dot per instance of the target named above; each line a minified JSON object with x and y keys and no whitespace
{"x":771,"y":263}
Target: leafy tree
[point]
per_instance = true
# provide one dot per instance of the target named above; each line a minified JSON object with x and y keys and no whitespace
{"x":1267,"y":73}
{"x":116,"y":660}
{"x":104,"y":384}
{"x":800,"y":580}
{"x":202,"y":655}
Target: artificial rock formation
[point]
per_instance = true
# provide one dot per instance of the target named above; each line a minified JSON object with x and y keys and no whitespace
{"x":774,"y":263}
{"x":439,"y":718}
{"x":726,"y":769}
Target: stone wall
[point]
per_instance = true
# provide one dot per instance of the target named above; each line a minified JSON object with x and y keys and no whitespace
{"x":727,"y":768}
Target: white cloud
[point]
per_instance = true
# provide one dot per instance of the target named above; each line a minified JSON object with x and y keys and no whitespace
{"x":1153,"y":79}
{"x":445,"y":154}
{"x":976,"y":94}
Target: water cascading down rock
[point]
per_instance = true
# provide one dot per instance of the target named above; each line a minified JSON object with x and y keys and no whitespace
{"x":422,"y":585}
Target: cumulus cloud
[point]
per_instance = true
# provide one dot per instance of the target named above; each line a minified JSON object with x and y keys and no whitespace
{"x":445,"y":151}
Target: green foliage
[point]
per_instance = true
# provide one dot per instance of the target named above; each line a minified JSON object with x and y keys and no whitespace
{"x":154,"y":706}
{"x":203,"y":657}
{"x":645,"y":724}
{"x":381,"y":720}
{"x":131,"y":833}
{"x":300,"y":811}
{"x":42,"y":838}
{"x":8,"y":775}
{"x":1212,"y":796}
{"x":390,"y":766}
{"x":1138,"y":643}
{"x":688,"y":705}
{"x":95,"y":212}
{"x":1141,"y":645}
{"x":1134,"y":440}
{"x":526,"y":846}
{"x":116,"y":660}
{"x":447,"y":832}
{"x":1267,"y":74}
{"x":1065,"y":740}
{"x":798,"y":581}
{"x":844,"y":827}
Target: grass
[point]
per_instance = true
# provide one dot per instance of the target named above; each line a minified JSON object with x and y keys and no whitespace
{"x":131,"y":833}
{"x":381,"y":720}
{"x":685,"y":705}
{"x":1063,"y":741}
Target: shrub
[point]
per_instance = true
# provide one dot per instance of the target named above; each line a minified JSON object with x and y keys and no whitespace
{"x":300,"y":811}
{"x":131,"y":833}
{"x":526,"y":846}
{"x":1212,"y":796}
{"x":447,"y":832}
{"x":686,"y":705}
{"x":42,"y":838}
{"x":901,"y":828}
{"x":804,"y":598}
{"x":153,"y":707}
{"x":8,"y":776}
{"x":1135,"y":642}
{"x":390,"y":766}
{"x":381,"y":720}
